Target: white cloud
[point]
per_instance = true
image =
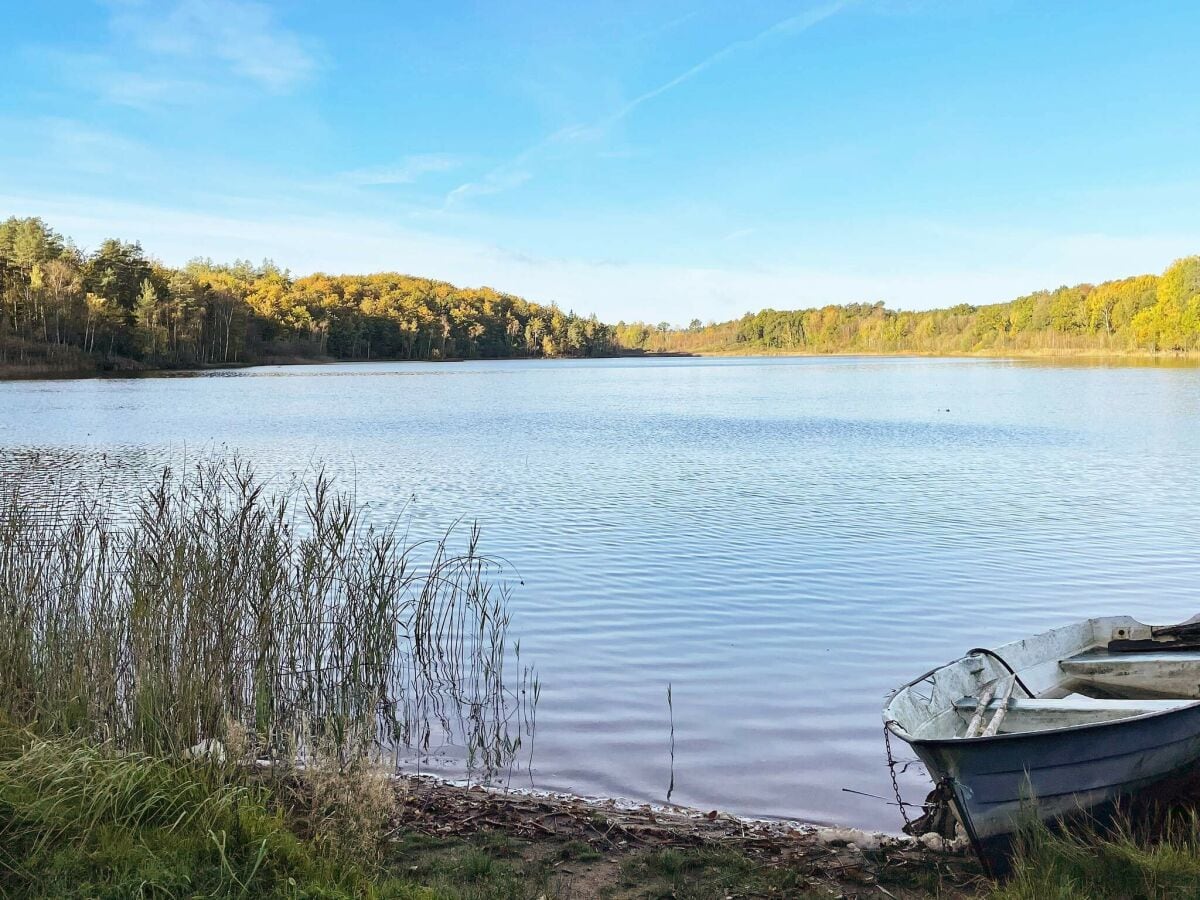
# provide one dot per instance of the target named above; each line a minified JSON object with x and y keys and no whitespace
{"x":739,"y":233}
{"x":406,"y":171}
{"x":185,"y":52}
{"x":495,"y":182}
{"x":142,"y":91}
{"x":242,"y":34}
{"x":68,"y":145}
{"x":175,"y":43}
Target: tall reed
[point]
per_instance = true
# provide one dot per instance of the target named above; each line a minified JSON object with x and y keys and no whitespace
{"x":282,"y":624}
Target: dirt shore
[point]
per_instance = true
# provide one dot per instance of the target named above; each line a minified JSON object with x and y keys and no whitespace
{"x":836,"y":862}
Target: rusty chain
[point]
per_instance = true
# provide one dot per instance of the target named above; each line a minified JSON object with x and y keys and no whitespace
{"x":887,"y":743}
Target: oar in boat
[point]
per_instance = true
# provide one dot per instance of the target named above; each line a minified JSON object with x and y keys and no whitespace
{"x":977,"y":720}
{"x":998,"y":718}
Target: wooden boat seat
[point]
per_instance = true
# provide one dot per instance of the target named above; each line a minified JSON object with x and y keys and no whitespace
{"x":1040,"y":714}
{"x":1164,"y":673}
{"x":1085,"y":661}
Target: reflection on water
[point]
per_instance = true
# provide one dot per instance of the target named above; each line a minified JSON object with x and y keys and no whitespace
{"x":782,"y":540}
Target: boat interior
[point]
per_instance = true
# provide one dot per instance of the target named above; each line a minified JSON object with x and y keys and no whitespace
{"x":1095,"y":671}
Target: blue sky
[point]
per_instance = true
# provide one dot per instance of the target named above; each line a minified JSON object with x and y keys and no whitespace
{"x":658,"y":160}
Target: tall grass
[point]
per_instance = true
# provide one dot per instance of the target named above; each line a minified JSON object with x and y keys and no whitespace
{"x":78,"y":820}
{"x":1114,"y":861}
{"x":281,"y":624}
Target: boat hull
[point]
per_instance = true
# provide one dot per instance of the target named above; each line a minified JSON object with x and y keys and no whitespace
{"x":1070,"y":770}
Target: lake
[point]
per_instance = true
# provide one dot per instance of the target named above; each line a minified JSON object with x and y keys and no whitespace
{"x":781,"y":540}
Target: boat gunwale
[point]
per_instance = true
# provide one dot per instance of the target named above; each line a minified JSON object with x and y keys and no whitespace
{"x":1064,"y":729}
{"x":894,"y":727}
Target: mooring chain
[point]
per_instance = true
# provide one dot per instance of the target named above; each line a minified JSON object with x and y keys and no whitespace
{"x":887,"y":743}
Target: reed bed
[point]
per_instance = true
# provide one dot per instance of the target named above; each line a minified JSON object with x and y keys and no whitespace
{"x":216,"y":616}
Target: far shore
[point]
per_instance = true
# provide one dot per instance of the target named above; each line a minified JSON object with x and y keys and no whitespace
{"x":1121,"y":357}
{"x":124,"y":368}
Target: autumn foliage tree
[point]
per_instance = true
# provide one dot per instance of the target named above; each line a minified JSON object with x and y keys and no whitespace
{"x":116,"y":307}
{"x":1139,"y":314}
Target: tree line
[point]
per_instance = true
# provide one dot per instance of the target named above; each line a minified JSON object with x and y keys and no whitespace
{"x":1145,"y":313}
{"x":117,"y":308}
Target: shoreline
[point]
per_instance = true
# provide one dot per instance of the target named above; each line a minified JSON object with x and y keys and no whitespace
{"x":43,"y":373}
{"x":1148,"y":356}
{"x":844,"y":861}
{"x":673,"y":814}
{"x":1184,"y":359}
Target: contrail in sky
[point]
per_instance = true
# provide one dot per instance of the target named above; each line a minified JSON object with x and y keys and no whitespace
{"x":509,"y":175}
{"x":793,"y":25}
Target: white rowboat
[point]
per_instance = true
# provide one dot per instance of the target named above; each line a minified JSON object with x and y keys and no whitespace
{"x":1080,"y":717}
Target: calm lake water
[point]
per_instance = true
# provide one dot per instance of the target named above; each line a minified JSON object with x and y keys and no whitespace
{"x":782,"y":540}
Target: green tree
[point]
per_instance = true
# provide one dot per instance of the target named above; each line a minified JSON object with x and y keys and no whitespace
{"x":148,"y":315}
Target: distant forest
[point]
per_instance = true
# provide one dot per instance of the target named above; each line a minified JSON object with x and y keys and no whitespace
{"x":116,"y":308}
{"x":1143,"y":314}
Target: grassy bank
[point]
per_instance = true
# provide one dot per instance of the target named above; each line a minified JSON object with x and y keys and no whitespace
{"x":83,"y":821}
{"x":77,"y":820}
{"x":1115,"y":863}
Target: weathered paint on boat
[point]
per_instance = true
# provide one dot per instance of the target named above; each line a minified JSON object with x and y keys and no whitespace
{"x":1065,"y":770}
{"x":1043,"y":770}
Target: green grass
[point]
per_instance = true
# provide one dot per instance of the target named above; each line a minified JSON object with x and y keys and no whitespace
{"x":1097,"y":864}
{"x":577,"y":851}
{"x":712,"y":874}
{"x":80,"y":821}
{"x":488,"y":866}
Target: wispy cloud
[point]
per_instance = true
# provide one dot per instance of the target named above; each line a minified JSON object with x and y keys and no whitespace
{"x":669,"y":25}
{"x":502,"y":177}
{"x":739,"y":233}
{"x":142,"y":91}
{"x":184,"y":53}
{"x":406,"y":171}
{"x":495,"y":182}
{"x":242,"y":34}
{"x":71,"y":146}
{"x":109,"y":77}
